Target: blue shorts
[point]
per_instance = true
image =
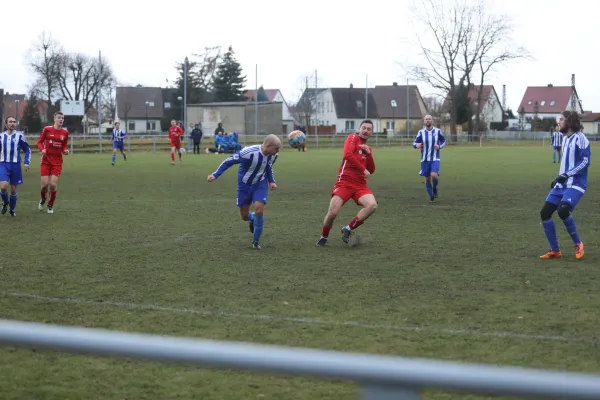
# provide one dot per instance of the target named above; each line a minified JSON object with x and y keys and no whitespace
{"x":427,"y":167}
{"x":118,"y":145}
{"x":569,"y":196}
{"x":556,"y":148}
{"x":248,"y":194}
{"x":11,"y":173}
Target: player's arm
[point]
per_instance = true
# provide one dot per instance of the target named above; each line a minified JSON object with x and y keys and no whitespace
{"x":269,"y":170}
{"x":26,"y":149}
{"x":584,"y":155}
{"x":65,"y":148}
{"x":418,"y":140}
{"x":228,"y":163}
{"x":441,"y":140}
{"x":41,"y":144}
{"x":350,"y":153}
{"x":370,"y":162}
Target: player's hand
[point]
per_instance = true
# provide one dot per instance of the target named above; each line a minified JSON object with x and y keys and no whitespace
{"x":419,"y":145}
{"x":43,"y":152}
{"x":211,"y":178}
{"x":272,"y":186}
{"x":367,"y":174}
{"x":26,"y":167}
{"x":366,"y":149}
{"x":562,"y":178}
{"x":436,"y":147}
{"x":66,"y":152}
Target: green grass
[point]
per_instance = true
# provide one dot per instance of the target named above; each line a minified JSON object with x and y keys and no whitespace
{"x":150,"y":234}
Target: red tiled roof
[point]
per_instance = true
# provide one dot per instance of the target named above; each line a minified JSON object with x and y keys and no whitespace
{"x":551,"y":99}
{"x":590,"y":117}
{"x":271,"y":93}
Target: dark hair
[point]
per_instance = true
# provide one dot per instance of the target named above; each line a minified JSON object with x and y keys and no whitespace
{"x":366,"y":121}
{"x":573,"y":120}
{"x":6,"y":119}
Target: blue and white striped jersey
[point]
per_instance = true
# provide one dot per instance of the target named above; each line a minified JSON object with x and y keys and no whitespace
{"x":575,"y":161}
{"x":11,"y":146}
{"x":254,"y":166}
{"x":118,"y":135}
{"x":557,"y":138}
{"x":430,"y":138}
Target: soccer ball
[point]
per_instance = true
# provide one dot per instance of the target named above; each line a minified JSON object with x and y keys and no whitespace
{"x":296,"y":139}
{"x":182,"y":150}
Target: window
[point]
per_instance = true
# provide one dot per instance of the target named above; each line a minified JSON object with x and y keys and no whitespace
{"x":349,"y":125}
{"x":543,"y":103}
{"x":167,"y":104}
{"x":529,"y":102}
{"x":390,"y":125}
{"x":131,"y":127}
{"x":552,"y":103}
{"x":150,"y":126}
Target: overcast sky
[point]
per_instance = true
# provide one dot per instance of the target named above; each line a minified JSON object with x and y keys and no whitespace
{"x":344,"y":41}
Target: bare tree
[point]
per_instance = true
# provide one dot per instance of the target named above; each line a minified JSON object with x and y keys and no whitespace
{"x":464,"y":35}
{"x":43,"y":60}
{"x":433,"y":104}
{"x":109,"y":100}
{"x":206,"y":66}
{"x":306,"y":107}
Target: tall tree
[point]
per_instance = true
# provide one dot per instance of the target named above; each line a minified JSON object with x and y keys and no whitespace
{"x":229,"y":82}
{"x":31,"y":118}
{"x":261,"y":95}
{"x":463,"y":35}
{"x":43,"y":59}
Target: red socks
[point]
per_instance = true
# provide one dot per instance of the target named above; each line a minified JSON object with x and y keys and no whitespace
{"x":173,"y":157}
{"x":355,"y":223}
{"x":43,"y":193}
{"x":325,"y":231}
{"x":52,"y":198}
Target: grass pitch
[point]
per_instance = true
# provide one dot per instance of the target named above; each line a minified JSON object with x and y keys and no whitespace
{"x":460,"y":280}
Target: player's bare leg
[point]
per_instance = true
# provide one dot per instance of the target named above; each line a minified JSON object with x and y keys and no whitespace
{"x":247,"y":215}
{"x":434,"y":183}
{"x":335,"y":205}
{"x":4,"y":195}
{"x":258,"y":223}
{"x":53,"y":185}
{"x":45,"y":181}
{"x":369,"y":206}
{"x":172,"y":155}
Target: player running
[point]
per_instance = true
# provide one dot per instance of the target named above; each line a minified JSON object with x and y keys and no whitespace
{"x":569,"y":186}
{"x":11,"y":144}
{"x":52,"y":145}
{"x":175,"y":134}
{"x":430,"y":140}
{"x":557,"y":139}
{"x":357,"y":166}
{"x":118,"y":137}
{"x":255,"y":178}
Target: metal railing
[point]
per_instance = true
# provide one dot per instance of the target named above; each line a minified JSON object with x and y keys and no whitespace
{"x":380,"y":377}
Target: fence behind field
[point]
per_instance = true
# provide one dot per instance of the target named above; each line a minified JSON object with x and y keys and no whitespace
{"x":380,"y":377}
{"x":156,"y":143}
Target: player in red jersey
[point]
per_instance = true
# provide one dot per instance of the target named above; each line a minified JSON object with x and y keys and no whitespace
{"x":52,"y":145}
{"x":175,"y":134}
{"x":357,"y":166}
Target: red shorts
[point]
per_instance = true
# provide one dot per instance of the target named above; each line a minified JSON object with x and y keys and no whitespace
{"x":50,"y":167}
{"x":350,"y":191}
{"x":177,"y":144}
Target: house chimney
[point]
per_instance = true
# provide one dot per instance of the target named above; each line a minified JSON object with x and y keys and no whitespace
{"x":351,"y":86}
{"x":395,"y":83}
{"x":550,"y":85}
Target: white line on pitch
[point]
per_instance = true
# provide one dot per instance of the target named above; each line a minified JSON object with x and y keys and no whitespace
{"x":300,"y":320}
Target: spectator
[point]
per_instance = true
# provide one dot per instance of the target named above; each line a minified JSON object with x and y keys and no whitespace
{"x":219,"y":130}
{"x":197,"y":138}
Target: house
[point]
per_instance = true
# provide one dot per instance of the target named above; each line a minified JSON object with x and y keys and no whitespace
{"x":591,"y":123}
{"x":275,"y":96}
{"x":399,"y":106}
{"x":489,"y":109}
{"x":140,"y":109}
{"x":548,"y":101}
{"x":307,"y":105}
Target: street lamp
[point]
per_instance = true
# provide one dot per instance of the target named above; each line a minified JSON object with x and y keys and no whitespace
{"x":17,"y":113}
{"x":394,"y":105}
{"x":147,"y":103}
{"x":181,"y":98}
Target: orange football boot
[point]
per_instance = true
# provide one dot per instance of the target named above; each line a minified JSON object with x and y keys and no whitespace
{"x":579,"y":251}
{"x":551,"y":254}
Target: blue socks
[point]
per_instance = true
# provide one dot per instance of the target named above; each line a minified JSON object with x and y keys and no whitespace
{"x":554,"y":156}
{"x":251,"y":216}
{"x":4,"y":197}
{"x":114,"y":158}
{"x":572,"y":229}
{"x":13,"y":201}
{"x":550,"y":231}
{"x":259,"y":223}
{"x":435,"y":182}
{"x":429,"y":189}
